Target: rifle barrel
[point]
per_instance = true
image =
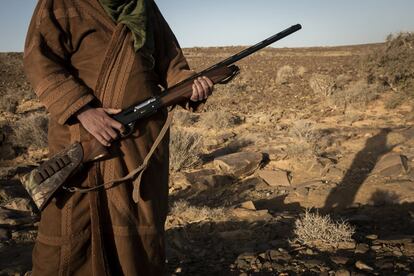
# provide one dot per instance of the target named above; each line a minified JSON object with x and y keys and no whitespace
{"x":257,"y":47}
{"x":246,"y":52}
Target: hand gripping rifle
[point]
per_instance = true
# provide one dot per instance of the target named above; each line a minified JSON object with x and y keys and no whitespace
{"x":45,"y":180}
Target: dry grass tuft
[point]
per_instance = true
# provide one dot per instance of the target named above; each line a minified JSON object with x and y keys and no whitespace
{"x":31,"y":131}
{"x":301,"y":71}
{"x":357,"y":94}
{"x":314,"y":229}
{"x":8,"y":103}
{"x":186,"y":214}
{"x":305,"y":140}
{"x":185,"y":149}
{"x":220,"y":120}
{"x":185,"y":118}
{"x":284,"y":74}
{"x":393,"y":67}
{"x":323,"y":85}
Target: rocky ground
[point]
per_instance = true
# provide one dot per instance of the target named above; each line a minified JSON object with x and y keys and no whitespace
{"x":300,"y":166}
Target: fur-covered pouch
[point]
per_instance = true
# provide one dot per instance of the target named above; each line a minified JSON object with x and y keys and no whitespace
{"x":45,"y":180}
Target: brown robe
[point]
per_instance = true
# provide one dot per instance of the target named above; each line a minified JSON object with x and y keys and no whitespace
{"x":76,"y":55}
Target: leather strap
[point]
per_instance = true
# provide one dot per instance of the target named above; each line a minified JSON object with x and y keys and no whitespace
{"x":137,"y":173}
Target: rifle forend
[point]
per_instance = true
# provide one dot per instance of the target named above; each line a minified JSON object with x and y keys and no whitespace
{"x":176,"y":94}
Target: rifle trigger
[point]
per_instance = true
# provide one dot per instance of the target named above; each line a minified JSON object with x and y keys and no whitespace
{"x":129,"y":128}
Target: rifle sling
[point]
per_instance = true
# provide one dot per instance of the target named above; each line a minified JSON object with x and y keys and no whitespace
{"x":137,"y":173}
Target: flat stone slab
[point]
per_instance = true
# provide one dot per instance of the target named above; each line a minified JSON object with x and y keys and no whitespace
{"x":251,"y":215}
{"x":239,"y":164}
{"x":391,"y":164}
{"x":209,"y":178}
{"x":275,"y":178}
{"x":248,"y":205}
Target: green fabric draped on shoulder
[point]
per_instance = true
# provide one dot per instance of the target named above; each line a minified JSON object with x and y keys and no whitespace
{"x":136,"y":16}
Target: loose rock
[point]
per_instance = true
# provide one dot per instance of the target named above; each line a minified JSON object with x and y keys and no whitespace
{"x":276,"y":255}
{"x":363,"y":266}
{"x":275,"y":178}
{"x":391,"y":164}
{"x":342,"y":272}
{"x":361,"y":248}
{"x":239,"y":164}
{"x":4,"y":234}
{"x":248,"y":205}
{"x":339,"y":259}
{"x":236,"y":234}
{"x":250,"y":215}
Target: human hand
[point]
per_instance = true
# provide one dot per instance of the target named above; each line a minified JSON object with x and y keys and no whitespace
{"x":98,"y":123}
{"x":202,"y":88}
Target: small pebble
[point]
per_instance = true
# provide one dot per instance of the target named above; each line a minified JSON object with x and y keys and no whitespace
{"x":363,"y":266}
{"x":372,"y":237}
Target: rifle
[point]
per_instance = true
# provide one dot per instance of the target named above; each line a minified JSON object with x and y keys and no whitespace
{"x":41,"y":182}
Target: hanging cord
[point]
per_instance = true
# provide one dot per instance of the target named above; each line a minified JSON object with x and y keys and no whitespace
{"x":135,"y":174}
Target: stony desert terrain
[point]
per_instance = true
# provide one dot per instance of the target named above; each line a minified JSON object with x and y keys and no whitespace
{"x":302,"y":165}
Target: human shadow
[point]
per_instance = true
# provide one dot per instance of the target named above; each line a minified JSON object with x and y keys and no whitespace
{"x":264,"y":247}
{"x":364,"y":162}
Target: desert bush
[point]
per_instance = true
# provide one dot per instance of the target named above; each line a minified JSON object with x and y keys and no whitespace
{"x":284,"y":74}
{"x":322,"y":84}
{"x":342,"y":81}
{"x":395,"y":100}
{"x":305,"y":140}
{"x":393,"y":65}
{"x":184,"y":118}
{"x":304,"y":130}
{"x":314,"y":229}
{"x":31,"y":131}
{"x":356,"y":94}
{"x":301,"y":71}
{"x":185,"y":149}
{"x":185,"y":213}
{"x":8,"y":103}
{"x":220,"y":120}
{"x":299,"y":150}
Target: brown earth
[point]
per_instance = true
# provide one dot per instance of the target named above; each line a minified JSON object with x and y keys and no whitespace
{"x":298,"y":128}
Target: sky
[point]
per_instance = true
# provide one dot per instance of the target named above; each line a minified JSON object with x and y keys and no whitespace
{"x":205,"y":23}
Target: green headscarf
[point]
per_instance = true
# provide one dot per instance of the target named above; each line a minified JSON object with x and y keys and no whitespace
{"x":134,"y":14}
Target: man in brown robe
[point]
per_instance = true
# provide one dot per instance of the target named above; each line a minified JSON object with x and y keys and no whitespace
{"x":83,"y":65}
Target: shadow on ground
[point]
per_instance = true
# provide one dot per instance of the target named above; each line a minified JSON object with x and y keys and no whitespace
{"x":263,"y":248}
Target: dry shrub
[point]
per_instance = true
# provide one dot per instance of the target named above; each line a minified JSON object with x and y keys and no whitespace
{"x":304,"y":130}
{"x":31,"y":131}
{"x":186,"y":214}
{"x":220,"y":120}
{"x":8,"y":103}
{"x":299,"y":150}
{"x":316,"y":230}
{"x":306,"y":139}
{"x":342,"y":81}
{"x":393,"y":66}
{"x":185,"y":149}
{"x":301,"y":71}
{"x":184,"y":118}
{"x":322,"y":84}
{"x":284,"y":74}
{"x":356,"y":94}
{"x":395,"y":100}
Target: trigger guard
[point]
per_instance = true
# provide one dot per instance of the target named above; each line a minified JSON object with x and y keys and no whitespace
{"x":128,"y":130}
